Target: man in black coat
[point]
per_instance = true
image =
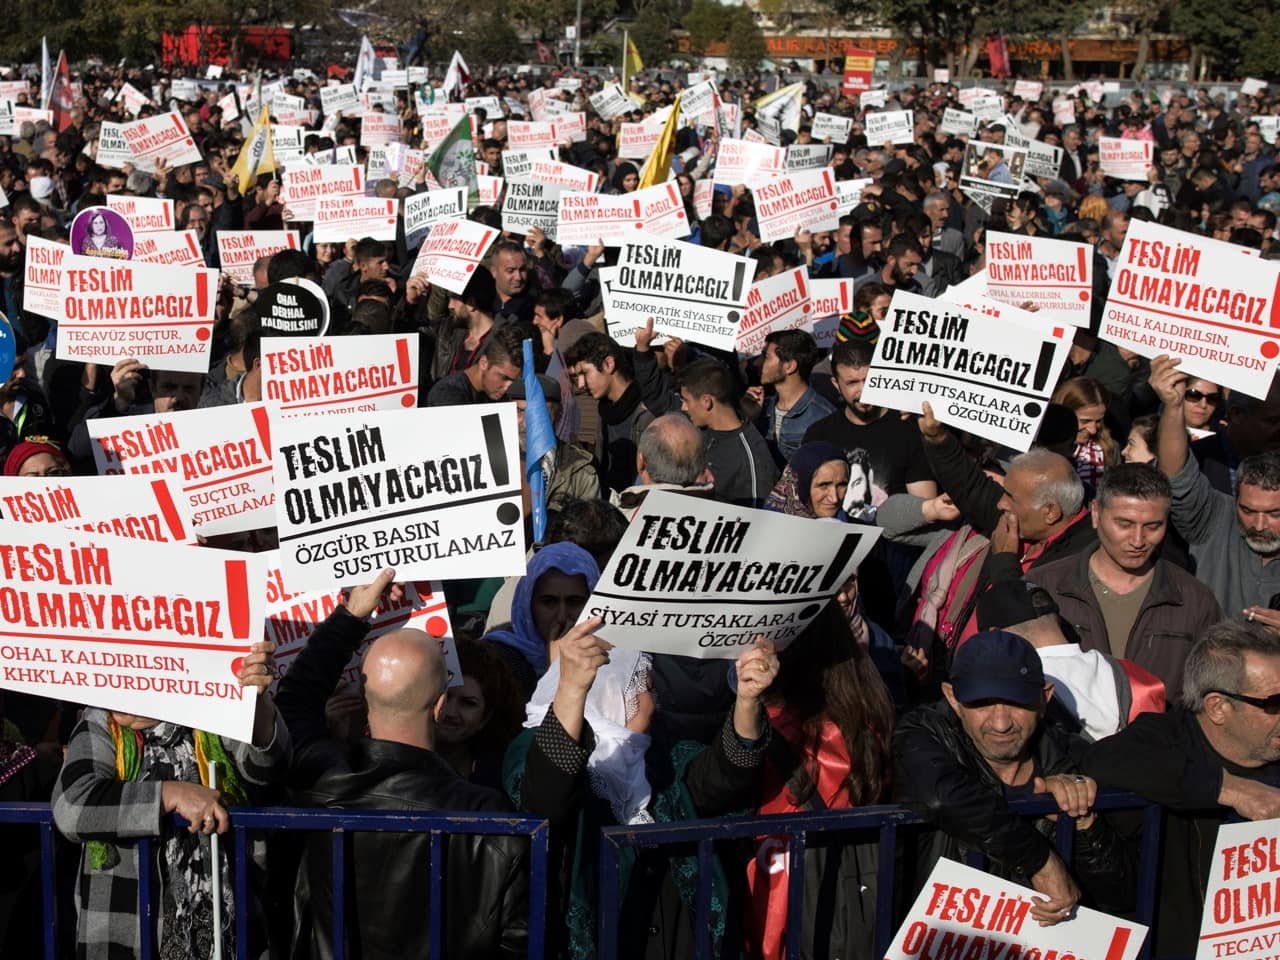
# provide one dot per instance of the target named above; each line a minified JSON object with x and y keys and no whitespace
{"x":396,"y":767}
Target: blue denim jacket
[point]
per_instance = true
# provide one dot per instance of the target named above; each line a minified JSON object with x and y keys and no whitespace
{"x":808,"y":410}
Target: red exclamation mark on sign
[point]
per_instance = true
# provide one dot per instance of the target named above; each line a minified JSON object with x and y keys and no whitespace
{"x":1119,"y":940}
{"x":291,"y":239}
{"x":639,"y":222}
{"x":164,"y":500}
{"x":355,"y":175}
{"x":483,"y":245}
{"x":168,"y":212}
{"x":844,"y":298}
{"x":402,"y":363}
{"x":177,"y":122}
{"x":1081,"y":262}
{"x":262,"y":424}
{"x":191,"y":245}
{"x":202,"y":294}
{"x":237,"y":572}
{"x":1275,"y":304}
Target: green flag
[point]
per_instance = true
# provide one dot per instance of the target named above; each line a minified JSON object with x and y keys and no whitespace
{"x":453,"y":161}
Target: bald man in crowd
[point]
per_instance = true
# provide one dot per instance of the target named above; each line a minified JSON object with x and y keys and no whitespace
{"x":395,"y":767}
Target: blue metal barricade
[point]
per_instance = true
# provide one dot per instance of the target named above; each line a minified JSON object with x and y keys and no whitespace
{"x":702,"y":835}
{"x":337,"y":822}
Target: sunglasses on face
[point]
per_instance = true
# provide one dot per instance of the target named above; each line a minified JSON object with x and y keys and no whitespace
{"x":1268,"y":705}
{"x":1195,"y":396}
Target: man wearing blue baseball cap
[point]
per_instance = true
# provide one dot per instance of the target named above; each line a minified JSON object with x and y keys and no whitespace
{"x":960,"y":761}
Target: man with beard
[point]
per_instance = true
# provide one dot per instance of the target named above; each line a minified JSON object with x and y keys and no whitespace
{"x":11,"y":276}
{"x":1235,"y":541}
{"x":901,"y":261}
{"x":466,"y":326}
{"x":892,"y":444}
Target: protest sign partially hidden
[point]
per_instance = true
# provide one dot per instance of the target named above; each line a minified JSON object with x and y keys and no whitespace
{"x":662,"y":212}
{"x":141,"y":508}
{"x":517,"y":165}
{"x":294,"y":307}
{"x":1125,"y":159}
{"x":1056,"y":275}
{"x":780,"y":302}
{"x":1240,"y":904}
{"x":584,"y":219}
{"x":703,"y":579}
{"x":291,"y":618}
{"x":143,"y":214}
{"x":830,"y":126}
{"x":301,"y":187}
{"x":219,"y":459}
{"x":1028,"y":89}
{"x":797,"y":201}
{"x":342,"y":98}
{"x":164,"y":137}
{"x":339,"y":219}
{"x":313,"y":376}
{"x":1043,"y":159}
{"x":637,"y":140}
{"x":889,"y":126}
{"x":531,"y":205}
{"x":113,"y":309}
{"x":692,"y":292}
{"x":422,"y":211}
{"x":452,"y":252}
{"x":1207,"y":301}
{"x":150,"y":629}
{"x":177,"y":248}
{"x":113,"y":148}
{"x":742,"y":161}
{"x":988,"y":369}
{"x":432,"y":492}
{"x":529,"y":135}
{"x":611,"y":101}
{"x":849,"y":194}
{"x":991,"y":170}
{"x":963,"y":911}
{"x":378,"y":129}
{"x":239,"y":250}
{"x":42,"y":275}
{"x":960,"y":123}
{"x":808,"y":156}
{"x":831,"y":299}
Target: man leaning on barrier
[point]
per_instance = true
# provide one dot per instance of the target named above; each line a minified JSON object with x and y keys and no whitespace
{"x":1220,"y":750}
{"x":396,"y":767}
{"x":959,"y":762}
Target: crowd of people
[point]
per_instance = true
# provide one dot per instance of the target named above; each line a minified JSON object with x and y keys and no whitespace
{"x":1099,"y":612}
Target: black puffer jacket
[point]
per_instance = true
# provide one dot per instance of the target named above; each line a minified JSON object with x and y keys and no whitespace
{"x":485,"y":887}
{"x":939,"y":773}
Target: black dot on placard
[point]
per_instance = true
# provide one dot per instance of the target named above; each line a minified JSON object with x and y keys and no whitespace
{"x":809,"y":612}
{"x":732,"y":316}
{"x":508,"y":513}
{"x":1031,"y":408}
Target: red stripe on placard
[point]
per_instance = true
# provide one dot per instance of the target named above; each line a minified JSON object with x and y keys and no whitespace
{"x":1119,"y":940}
{"x":804,"y":290}
{"x":844,"y":298}
{"x":167,"y":221}
{"x":1082,"y":262}
{"x":291,"y":239}
{"x":391,"y":208}
{"x":177,"y":122}
{"x":202,"y":294}
{"x":356,"y":173}
{"x":263,"y":425}
{"x":191,"y":245}
{"x":402,"y":358}
{"x":636,"y":203}
{"x":1275,"y":304}
{"x":826,"y":177}
{"x":238,"y":598}
{"x":671,"y":192}
{"x":164,"y":499}
{"x":484,"y":243}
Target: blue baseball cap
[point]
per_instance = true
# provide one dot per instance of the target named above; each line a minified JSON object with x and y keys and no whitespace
{"x":998,"y":665}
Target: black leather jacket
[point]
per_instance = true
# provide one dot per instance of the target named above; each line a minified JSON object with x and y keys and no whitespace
{"x":939,"y":773}
{"x":486,"y":882}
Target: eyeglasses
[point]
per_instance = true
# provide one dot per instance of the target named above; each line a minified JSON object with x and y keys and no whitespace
{"x":1195,"y":396}
{"x":1268,"y":705}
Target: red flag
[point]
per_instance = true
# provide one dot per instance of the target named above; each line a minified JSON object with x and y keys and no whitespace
{"x":60,"y":99}
{"x":544,"y":55}
{"x":998,"y":55}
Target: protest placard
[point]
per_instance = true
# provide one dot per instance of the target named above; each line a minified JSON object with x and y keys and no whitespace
{"x":959,"y":123}
{"x":991,"y":170}
{"x":1043,"y":159}
{"x":988,"y":369}
{"x":1028,"y":89}
{"x":239,"y":250}
{"x":451,"y":252}
{"x":859,"y":68}
{"x":1064,"y":112}
{"x":293,"y":307}
{"x":831,"y":299}
{"x":692,"y":292}
{"x":141,"y":508}
{"x":8,"y":124}
{"x":698,"y":103}
{"x":164,"y":137}
{"x":340,"y":99}
{"x":1252,"y":86}
{"x":291,"y":618}
{"x":611,"y":101}
{"x":565,"y":175}
{"x":849,"y":194}
{"x":219,"y":458}
{"x":42,"y":275}
{"x":13,"y":89}
{"x":808,"y":156}
{"x":1207,"y":301}
{"x":339,"y":219}
{"x":637,"y":140}
{"x":301,"y":187}
{"x":532,"y":134}
{"x":286,"y":143}
{"x":662,"y":212}
{"x":751,"y":135}
{"x":1125,"y":159}
{"x":517,"y":165}
{"x":873,"y":98}
{"x":780,"y":302}
{"x":491,"y":106}
{"x":941,"y":75}
{"x":113,"y":309}
{"x":488,"y":190}
{"x":742,"y":161}
{"x":1240,"y":906}
{"x":312,"y":376}
{"x":538,"y":98}
{"x":143,"y":214}
{"x":987,"y":107}
{"x":701,"y":579}
{"x":530,"y":205}
{"x":1268,"y":126}
{"x":962,"y":911}
{"x":151,"y":629}
{"x":797,"y":201}
{"x":703,"y":193}
{"x":889,"y":126}
{"x":229,"y":107}
{"x":422,"y":211}
{"x":1056,"y":275}
{"x":571,"y":127}
{"x":828,"y":126}
{"x":335,"y":157}
{"x":178,"y":248}
{"x":133,"y":98}
{"x":432,"y":492}
{"x":188,"y":90}
{"x":585,"y":219}
{"x":379,"y":129}
{"x":113,"y":149}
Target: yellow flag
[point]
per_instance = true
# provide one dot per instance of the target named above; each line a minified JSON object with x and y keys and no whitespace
{"x":631,"y":63}
{"x":658,"y":167}
{"x":256,"y":154}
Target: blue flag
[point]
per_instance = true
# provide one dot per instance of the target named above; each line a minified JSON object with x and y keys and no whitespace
{"x":539,"y":440}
